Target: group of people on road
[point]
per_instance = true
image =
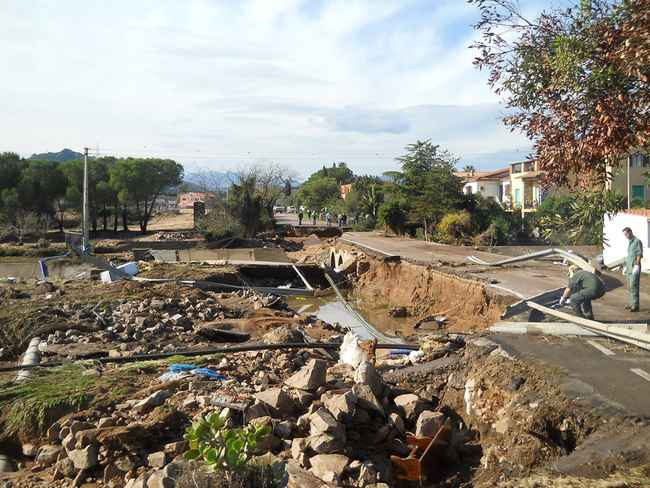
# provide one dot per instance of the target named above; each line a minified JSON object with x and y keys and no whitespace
{"x":323,"y":215}
{"x":585,"y":286}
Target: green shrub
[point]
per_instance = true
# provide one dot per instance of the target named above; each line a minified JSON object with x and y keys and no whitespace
{"x":42,"y":243}
{"x":454,"y":226}
{"x":393,"y":215}
{"x":221,"y":447}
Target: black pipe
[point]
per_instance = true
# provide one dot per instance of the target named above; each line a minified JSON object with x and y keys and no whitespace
{"x":201,"y":352}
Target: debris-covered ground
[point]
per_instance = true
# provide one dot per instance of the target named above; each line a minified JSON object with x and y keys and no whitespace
{"x":110,"y":421}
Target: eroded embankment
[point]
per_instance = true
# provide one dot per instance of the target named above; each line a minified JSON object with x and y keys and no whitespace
{"x":469,"y":305}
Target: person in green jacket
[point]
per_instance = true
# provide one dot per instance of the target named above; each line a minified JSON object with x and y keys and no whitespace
{"x":583,"y":287}
{"x":633,"y":268}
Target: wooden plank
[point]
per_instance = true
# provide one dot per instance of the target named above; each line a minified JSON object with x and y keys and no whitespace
{"x":639,"y":339}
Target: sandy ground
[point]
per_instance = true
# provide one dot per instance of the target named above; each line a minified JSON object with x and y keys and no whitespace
{"x":170,"y":221}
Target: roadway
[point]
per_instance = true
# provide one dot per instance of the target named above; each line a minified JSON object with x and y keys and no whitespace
{"x":600,"y":371}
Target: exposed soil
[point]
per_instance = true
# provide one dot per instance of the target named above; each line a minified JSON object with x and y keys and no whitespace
{"x":467,"y":304}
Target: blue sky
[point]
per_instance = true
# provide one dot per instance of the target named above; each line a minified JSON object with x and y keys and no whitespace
{"x":221,"y":84}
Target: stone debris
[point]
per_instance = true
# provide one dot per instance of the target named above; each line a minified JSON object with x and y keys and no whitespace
{"x":331,"y":424}
{"x":310,"y":377}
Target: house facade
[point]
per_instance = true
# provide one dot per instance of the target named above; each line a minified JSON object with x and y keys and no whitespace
{"x":517,"y":187}
{"x":526,"y":191}
{"x":186,"y":200}
{"x":630,"y":178}
{"x":489,"y":184}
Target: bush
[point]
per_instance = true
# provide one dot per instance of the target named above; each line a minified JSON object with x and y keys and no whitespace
{"x":222,"y":448}
{"x":393,"y":215}
{"x":455,"y":226}
{"x":42,"y":243}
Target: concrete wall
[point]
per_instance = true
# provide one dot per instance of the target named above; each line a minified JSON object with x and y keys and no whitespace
{"x":616,"y":243}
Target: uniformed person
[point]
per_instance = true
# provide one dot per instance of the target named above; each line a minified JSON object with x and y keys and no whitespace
{"x":633,"y":268}
{"x":583,"y":287}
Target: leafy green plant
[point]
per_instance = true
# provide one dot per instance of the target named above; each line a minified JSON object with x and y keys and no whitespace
{"x":220,"y":446}
{"x":583,"y":223}
{"x":454,"y":226}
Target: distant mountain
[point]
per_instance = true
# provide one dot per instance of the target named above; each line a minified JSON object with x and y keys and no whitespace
{"x":65,"y":155}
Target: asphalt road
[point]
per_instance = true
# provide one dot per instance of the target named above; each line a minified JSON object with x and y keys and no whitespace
{"x":605,"y":373}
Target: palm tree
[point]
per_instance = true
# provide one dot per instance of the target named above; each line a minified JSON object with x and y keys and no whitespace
{"x":469,"y":169}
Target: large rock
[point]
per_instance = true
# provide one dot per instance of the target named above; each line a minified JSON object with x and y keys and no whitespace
{"x":299,"y":478}
{"x":157,"y":459}
{"x":277,"y":399}
{"x":282,"y":334}
{"x":321,"y":422}
{"x":48,"y":454}
{"x":397,"y":422}
{"x":326,"y":443}
{"x":154,"y":400}
{"x":66,"y":467}
{"x":84,"y":458}
{"x":366,"y":374}
{"x":340,"y":405}
{"x":329,"y":467}
{"x":298,"y":447}
{"x":410,"y":406}
{"x":311,"y":377}
{"x":429,"y":423}
{"x":158,"y":480}
{"x":366,"y":399}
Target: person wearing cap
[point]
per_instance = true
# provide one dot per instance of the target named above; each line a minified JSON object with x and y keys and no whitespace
{"x":583,"y":287}
{"x":633,"y":268}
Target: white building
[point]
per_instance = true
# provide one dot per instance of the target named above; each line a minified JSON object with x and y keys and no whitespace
{"x":615,"y":247}
{"x":493,"y":185}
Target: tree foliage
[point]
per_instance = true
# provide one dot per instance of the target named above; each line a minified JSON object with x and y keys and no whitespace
{"x":141,"y":181}
{"x":427,"y":182}
{"x":578,"y":219}
{"x":576,"y":81}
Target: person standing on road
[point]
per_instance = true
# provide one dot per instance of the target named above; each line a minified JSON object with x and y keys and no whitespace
{"x":583,"y":287}
{"x":300,"y":216}
{"x":633,"y":268}
{"x":313,"y":217}
{"x":328,"y":219}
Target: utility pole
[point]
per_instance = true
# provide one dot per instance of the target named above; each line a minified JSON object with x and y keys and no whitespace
{"x":86,"y":240}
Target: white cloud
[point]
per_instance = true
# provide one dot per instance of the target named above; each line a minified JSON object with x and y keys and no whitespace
{"x":218,"y":83}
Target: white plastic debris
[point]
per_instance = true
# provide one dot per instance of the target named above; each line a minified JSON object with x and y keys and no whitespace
{"x":415,"y":356}
{"x":350,"y":351}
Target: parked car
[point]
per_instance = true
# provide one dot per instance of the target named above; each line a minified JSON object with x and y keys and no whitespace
{"x":291,"y":209}
{"x":278,"y":209}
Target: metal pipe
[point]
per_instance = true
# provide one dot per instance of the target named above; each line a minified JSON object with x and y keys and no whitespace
{"x":31,"y":358}
{"x":569,"y":256}
{"x":203,"y":352}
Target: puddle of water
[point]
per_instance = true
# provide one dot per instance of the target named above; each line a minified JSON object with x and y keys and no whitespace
{"x":330,"y":310}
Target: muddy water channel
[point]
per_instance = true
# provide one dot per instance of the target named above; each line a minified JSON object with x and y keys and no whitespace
{"x":332,"y":310}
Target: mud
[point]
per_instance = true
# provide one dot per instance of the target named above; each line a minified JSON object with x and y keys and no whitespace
{"x":423,"y":291}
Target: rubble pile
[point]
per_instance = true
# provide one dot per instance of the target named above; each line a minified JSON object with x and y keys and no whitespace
{"x":165,"y":324}
{"x":331,"y":423}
